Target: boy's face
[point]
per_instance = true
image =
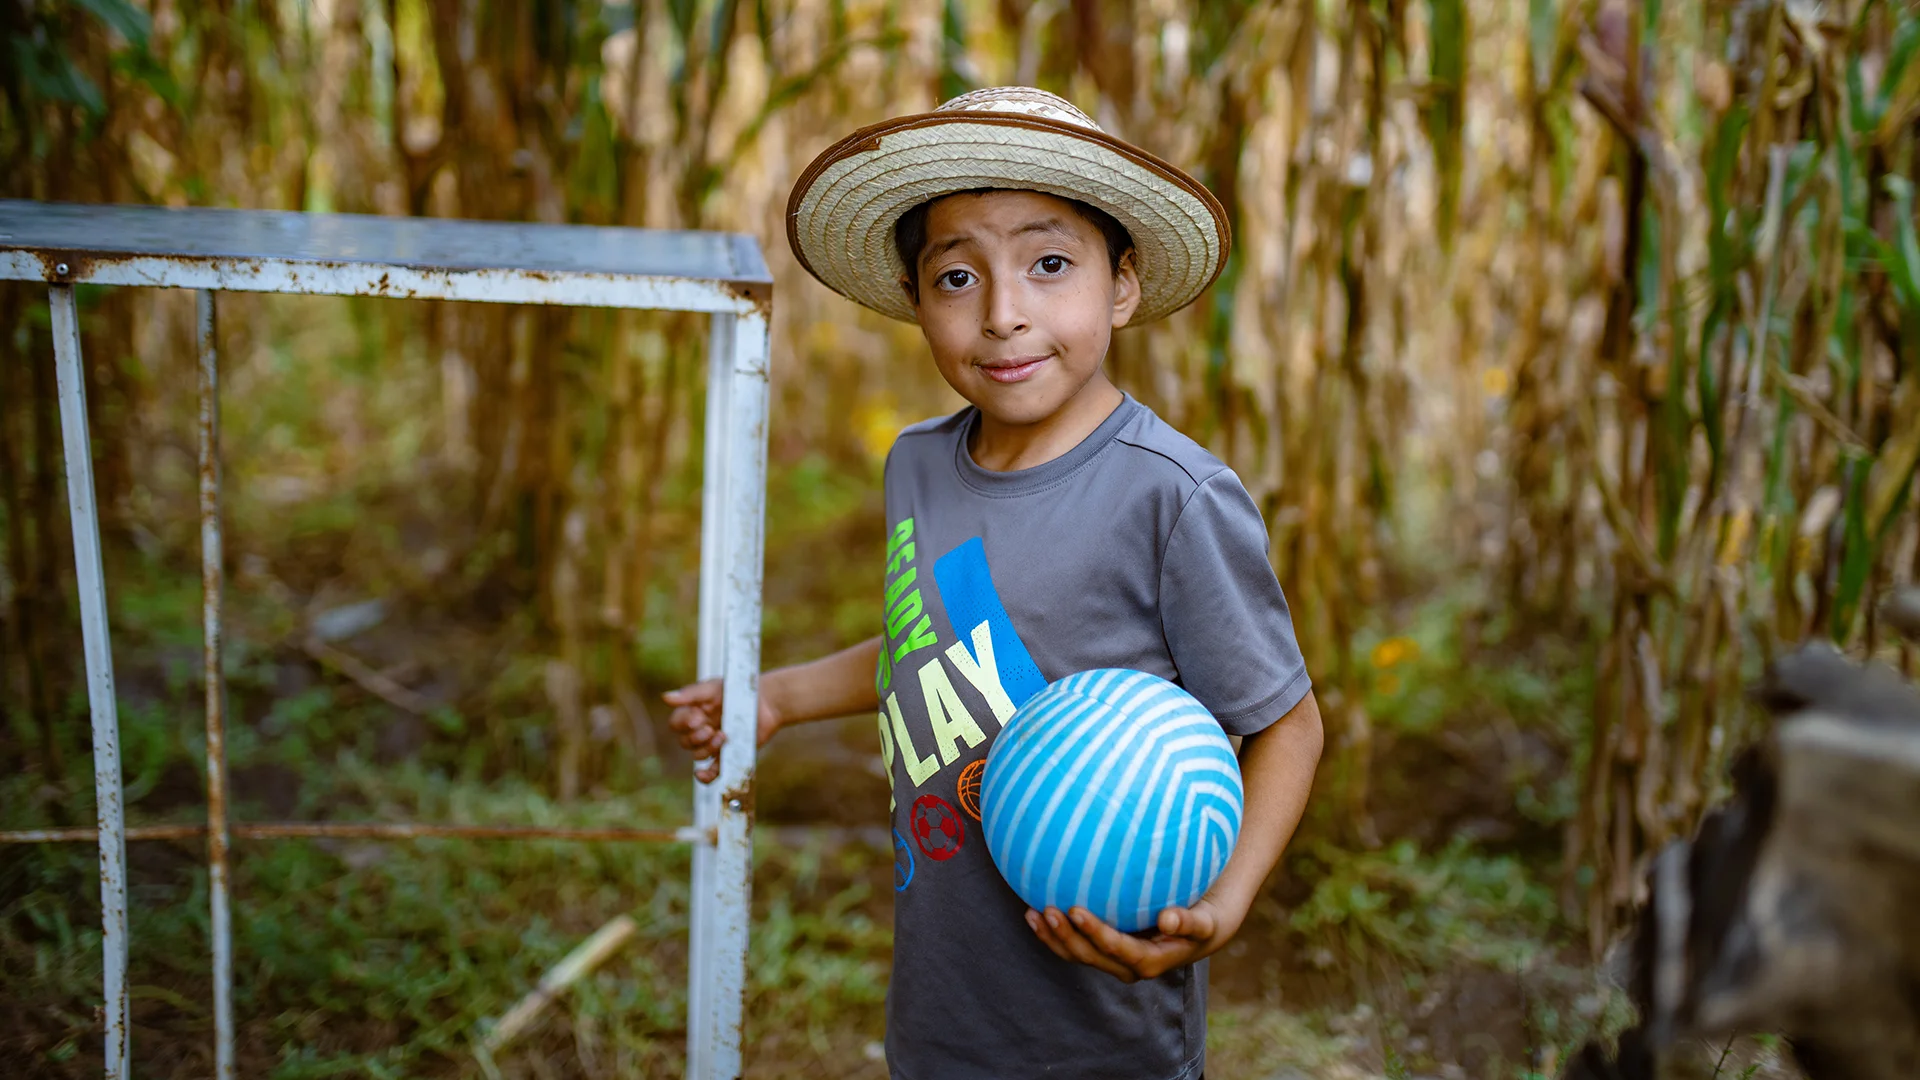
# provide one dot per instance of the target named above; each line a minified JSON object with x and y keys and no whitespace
{"x":1018,"y":302}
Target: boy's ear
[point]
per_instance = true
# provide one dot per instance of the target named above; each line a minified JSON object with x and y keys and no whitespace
{"x":907,"y":286}
{"x":1126,"y":290}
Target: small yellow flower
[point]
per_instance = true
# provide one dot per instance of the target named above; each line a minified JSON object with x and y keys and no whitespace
{"x":876,"y":424}
{"x":1394,"y":651}
{"x":1496,"y":381}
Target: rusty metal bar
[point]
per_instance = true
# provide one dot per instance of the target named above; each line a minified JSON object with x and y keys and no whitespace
{"x":343,"y":254}
{"x":710,"y":663}
{"x":742,"y":365}
{"x":135,"y":832}
{"x":372,"y":830}
{"x":212,"y":586}
{"x":273,"y":275}
{"x":363,"y":255}
{"x":740,"y":716}
{"x":90,"y":576}
{"x":408,"y":831}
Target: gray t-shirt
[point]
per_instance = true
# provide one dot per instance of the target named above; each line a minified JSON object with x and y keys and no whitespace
{"x":1136,"y":549}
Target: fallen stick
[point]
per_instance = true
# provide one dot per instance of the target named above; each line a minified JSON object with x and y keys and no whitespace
{"x":374,"y":682}
{"x":588,"y":955}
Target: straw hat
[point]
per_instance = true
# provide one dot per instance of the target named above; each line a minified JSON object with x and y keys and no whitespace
{"x":841,"y":215}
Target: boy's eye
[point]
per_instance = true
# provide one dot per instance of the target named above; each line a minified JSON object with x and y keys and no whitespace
{"x":955,"y":279}
{"x":1051,"y":264}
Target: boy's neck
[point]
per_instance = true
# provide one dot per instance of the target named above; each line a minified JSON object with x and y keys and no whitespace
{"x":1003,"y":447}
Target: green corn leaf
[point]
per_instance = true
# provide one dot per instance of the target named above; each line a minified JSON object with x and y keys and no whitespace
{"x":1220,"y":321}
{"x":1723,"y":242}
{"x":1856,"y":560}
{"x":1676,"y":437}
{"x":1647,"y":270}
{"x":50,"y":76}
{"x":1843,"y":337}
{"x":1778,"y":499}
{"x":724,"y":17}
{"x":122,"y":18}
{"x":1906,"y":41}
{"x":1901,"y":259}
{"x":681,"y":13}
{"x":1446,"y":110}
{"x":144,"y":68}
{"x":1892,"y":480}
{"x":789,"y":90}
{"x":1543,"y":26}
{"x":1707,"y":386}
{"x":1898,"y":460}
{"x":1862,"y":111}
{"x":1846,"y":171}
{"x":953,"y":53}
{"x":1726,"y":251}
{"x":1899,"y":85}
{"x":1215,"y":25}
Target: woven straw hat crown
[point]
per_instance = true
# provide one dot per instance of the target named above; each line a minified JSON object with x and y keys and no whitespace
{"x":841,"y":216}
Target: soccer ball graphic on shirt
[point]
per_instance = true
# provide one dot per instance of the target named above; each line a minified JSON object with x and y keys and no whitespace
{"x":937,"y":828}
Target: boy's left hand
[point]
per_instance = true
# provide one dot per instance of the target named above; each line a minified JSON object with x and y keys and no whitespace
{"x":1184,"y":936}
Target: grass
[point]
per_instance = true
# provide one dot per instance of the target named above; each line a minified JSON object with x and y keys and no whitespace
{"x":1456,"y":905}
{"x":385,"y":959}
{"x":1251,"y":1040}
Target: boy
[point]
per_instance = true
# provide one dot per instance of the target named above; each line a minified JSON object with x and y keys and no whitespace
{"x":1056,"y":525}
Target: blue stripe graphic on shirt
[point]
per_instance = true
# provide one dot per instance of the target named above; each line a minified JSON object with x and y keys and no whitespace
{"x":966,"y":588}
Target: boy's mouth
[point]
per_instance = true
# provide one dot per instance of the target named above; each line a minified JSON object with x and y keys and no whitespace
{"x":1013,"y":369}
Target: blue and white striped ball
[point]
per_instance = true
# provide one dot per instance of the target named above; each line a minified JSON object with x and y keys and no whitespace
{"x":1112,"y":790}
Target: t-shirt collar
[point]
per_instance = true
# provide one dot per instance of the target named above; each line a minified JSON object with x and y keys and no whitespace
{"x":1025,"y":481}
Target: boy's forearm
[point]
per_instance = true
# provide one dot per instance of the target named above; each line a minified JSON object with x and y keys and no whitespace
{"x":837,"y":685}
{"x":1276,"y":768}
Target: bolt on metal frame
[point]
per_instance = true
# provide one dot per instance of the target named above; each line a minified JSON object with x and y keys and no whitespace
{"x":724,"y":275}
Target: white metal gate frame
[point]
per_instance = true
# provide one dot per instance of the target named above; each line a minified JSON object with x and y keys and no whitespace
{"x":724,"y":275}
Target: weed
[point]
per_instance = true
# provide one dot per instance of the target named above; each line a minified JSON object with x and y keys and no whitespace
{"x":382,"y":959}
{"x":1457,"y":904}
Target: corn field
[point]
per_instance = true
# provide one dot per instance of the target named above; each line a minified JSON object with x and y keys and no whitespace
{"x":1611,"y":307}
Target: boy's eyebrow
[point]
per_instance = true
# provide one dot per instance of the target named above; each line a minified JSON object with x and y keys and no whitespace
{"x":1051,"y":225}
{"x":934,"y":251}
{"x":1046,"y":225}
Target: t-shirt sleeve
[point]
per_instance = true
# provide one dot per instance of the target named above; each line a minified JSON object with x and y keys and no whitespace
{"x":1223,"y":613}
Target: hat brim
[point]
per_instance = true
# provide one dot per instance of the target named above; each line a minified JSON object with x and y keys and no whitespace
{"x":841,"y":215}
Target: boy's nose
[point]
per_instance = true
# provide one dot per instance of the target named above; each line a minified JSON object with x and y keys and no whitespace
{"x":1005,"y":316}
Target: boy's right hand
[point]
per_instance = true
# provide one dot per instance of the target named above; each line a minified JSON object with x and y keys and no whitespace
{"x":696,"y":721}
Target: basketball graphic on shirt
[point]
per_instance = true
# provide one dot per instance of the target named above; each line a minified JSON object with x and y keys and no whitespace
{"x":937,"y":828}
{"x":967,"y":791}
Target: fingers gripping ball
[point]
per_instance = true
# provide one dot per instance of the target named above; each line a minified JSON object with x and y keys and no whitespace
{"x":1112,"y":790}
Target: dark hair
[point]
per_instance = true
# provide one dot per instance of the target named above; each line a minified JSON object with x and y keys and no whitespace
{"x":910,"y":232}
